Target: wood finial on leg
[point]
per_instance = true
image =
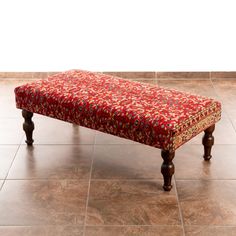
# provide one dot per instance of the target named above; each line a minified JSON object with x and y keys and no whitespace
{"x":28,"y":126}
{"x":167,"y":168}
{"x":208,"y":142}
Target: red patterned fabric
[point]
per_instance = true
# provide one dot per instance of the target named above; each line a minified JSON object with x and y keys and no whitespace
{"x":159,"y":117}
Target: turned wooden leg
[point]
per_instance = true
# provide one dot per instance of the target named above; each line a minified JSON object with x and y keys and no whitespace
{"x":28,"y":126}
{"x":208,"y":142}
{"x":167,"y":168}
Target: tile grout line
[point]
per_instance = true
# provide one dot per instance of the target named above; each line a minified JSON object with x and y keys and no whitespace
{"x":121,"y":226}
{"x":130,"y":225}
{"x":3,"y":181}
{"x":215,"y":91}
{"x":180,"y":211}
{"x":112,"y":144}
{"x":12,"y":162}
{"x":228,"y":116}
{"x":116,"y":180}
{"x":100,"y":180}
{"x":111,"y":225}
{"x":88,"y":192}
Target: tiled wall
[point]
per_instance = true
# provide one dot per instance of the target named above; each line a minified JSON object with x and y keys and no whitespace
{"x":132,"y":75}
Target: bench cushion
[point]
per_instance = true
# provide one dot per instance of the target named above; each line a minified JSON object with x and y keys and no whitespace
{"x":159,"y":117}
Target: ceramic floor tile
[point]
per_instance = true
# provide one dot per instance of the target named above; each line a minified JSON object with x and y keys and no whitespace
{"x":126,"y":162}
{"x":52,"y":161}
{"x":132,"y":75}
{"x":230,"y":109}
{"x":198,"y":87}
{"x":147,"y":81}
{"x":131,"y":203}
{"x":208,"y":202}
{"x":229,"y":106}
{"x":7,"y":98}
{"x":11,"y":131}
{"x":207,"y":190}
{"x":53,"y":131}
{"x":1,"y":183}
{"x":223,"y":75}
{"x":210,"y":231}
{"x":41,"y":230}
{"x":234,"y":122}
{"x":225,"y":88}
{"x":189,"y":162}
{"x":224,"y":133}
{"x":7,"y":154}
{"x":103,"y":138}
{"x":232,"y":113}
{"x":200,"y":75}
{"x":134,"y":231}
{"x":31,"y":202}
{"x":7,"y":88}
{"x":8,"y":109}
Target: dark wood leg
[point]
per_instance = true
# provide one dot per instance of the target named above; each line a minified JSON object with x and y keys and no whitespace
{"x":208,"y":142}
{"x":167,"y":168}
{"x":28,"y":126}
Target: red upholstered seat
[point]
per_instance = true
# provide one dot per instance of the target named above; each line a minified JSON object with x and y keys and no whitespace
{"x":145,"y":113}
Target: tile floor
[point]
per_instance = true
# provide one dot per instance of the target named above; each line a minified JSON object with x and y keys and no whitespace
{"x":76,"y":181}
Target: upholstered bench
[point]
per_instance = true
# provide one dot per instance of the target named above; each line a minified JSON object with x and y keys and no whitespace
{"x":155,"y":116}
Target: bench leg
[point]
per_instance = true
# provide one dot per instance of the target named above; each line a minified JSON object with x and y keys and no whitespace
{"x":167,"y":168}
{"x":208,"y":142}
{"x":28,"y":126}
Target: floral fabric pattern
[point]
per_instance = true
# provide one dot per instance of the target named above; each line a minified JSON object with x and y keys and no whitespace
{"x":159,"y":117}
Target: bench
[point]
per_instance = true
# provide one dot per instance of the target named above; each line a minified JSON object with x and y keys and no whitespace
{"x":148,"y":114}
